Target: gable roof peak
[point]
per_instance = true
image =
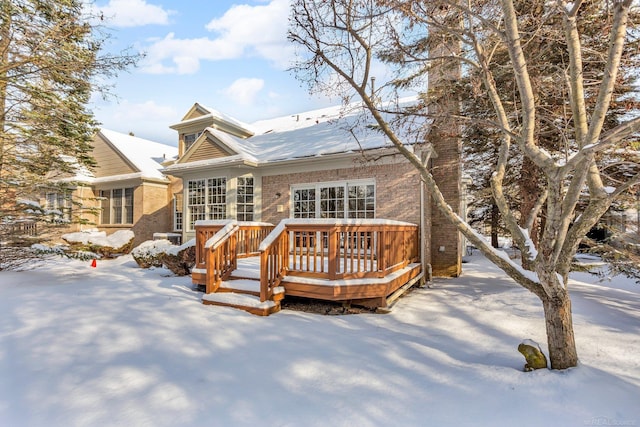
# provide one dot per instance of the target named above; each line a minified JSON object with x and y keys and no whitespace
{"x":145,"y":155}
{"x":210,"y":117}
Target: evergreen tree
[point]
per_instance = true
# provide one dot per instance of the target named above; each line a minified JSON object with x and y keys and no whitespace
{"x":51,"y":62}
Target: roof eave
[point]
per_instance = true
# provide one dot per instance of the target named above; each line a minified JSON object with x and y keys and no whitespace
{"x":180,"y":169}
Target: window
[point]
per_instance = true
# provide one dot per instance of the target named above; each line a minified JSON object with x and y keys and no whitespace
{"x":362,"y":201}
{"x":334,"y":200}
{"x":58,"y":205}
{"x":217,"y":198}
{"x":195,"y":201}
{"x":189,"y":139}
{"x":244,"y":199}
{"x":116,"y":206}
{"x":206,"y":199}
{"x":177,"y":212}
{"x":304,"y":203}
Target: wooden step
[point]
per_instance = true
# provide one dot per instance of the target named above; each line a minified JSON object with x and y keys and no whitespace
{"x":241,"y":286}
{"x":249,"y":287}
{"x":246,"y":302}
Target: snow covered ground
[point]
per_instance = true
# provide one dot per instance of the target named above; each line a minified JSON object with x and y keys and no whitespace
{"x":120,"y":346}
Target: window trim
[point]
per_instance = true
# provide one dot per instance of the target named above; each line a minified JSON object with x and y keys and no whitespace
{"x":65,"y":208}
{"x":317,"y":186}
{"x":207,"y":211}
{"x":126,"y":210}
{"x":242,"y":213}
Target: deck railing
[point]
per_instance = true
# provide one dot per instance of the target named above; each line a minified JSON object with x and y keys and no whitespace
{"x":220,"y":243}
{"x":20,"y":228}
{"x":336,"y":250}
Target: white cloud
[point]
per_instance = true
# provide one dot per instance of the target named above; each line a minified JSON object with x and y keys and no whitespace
{"x":146,"y":119}
{"x":185,"y":54}
{"x":147,"y":110}
{"x":134,"y":13}
{"x":243,"y":31}
{"x":244,"y":90}
{"x":256,"y":30}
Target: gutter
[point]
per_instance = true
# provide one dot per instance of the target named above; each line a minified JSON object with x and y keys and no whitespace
{"x":177,"y":169}
{"x":426,"y":267}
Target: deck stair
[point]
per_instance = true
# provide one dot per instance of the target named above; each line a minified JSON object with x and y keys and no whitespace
{"x":244,"y":294}
{"x":227,"y":259}
{"x":242,"y":290}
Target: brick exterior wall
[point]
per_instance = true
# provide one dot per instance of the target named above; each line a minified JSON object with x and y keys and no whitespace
{"x":397,"y":192}
{"x":151,"y":212}
{"x":446,"y":242}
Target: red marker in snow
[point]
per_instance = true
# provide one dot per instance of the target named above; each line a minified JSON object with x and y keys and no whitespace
{"x":94,"y":264}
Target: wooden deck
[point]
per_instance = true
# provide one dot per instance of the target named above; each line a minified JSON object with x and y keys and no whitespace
{"x":355,"y":261}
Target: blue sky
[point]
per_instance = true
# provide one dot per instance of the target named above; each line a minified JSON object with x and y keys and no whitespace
{"x":229,"y":55}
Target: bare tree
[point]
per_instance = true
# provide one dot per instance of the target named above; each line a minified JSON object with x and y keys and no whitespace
{"x":341,"y":41}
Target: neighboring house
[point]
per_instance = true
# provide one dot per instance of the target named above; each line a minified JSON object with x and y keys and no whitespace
{"x":126,"y":191}
{"x":308,"y":165}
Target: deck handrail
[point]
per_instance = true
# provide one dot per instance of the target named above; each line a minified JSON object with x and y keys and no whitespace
{"x":274,"y":254}
{"x":221,"y":258}
{"x":204,"y":231}
{"x":336,"y":250}
{"x":219,"y":244}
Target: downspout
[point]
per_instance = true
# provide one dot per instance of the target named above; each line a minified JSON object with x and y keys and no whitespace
{"x":426,"y":267}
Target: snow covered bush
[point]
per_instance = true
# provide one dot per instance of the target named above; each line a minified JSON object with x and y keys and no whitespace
{"x":181,"y":259}
{"x":98,"y":242}
{"x":148,"y":254}
{"x":156,"y":253}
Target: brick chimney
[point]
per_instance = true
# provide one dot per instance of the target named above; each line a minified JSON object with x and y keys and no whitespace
{"x":446,"y":167}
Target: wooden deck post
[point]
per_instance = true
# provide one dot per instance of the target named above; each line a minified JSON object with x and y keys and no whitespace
{"x":334,"y":253}
{"x":382,"y":252}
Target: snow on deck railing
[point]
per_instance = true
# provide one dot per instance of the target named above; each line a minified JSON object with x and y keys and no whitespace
{"x":268,"y":241}
{"x":228,"y":226}
{"x":222,"y":234}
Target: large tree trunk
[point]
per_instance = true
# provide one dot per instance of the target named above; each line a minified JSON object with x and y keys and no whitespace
{"x":560,"y":338}
{"x":529,"y":188}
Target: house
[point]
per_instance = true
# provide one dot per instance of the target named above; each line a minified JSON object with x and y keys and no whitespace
{"x":126,"y":191}
{"x":325,"y":170}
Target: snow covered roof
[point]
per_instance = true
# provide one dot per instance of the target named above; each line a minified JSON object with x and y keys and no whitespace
{"x":332,"y":130}
{"x":215,"y":117}
{"x":227,"y":118}
{"x":146,"y":156}
{"x":313,"y":133}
